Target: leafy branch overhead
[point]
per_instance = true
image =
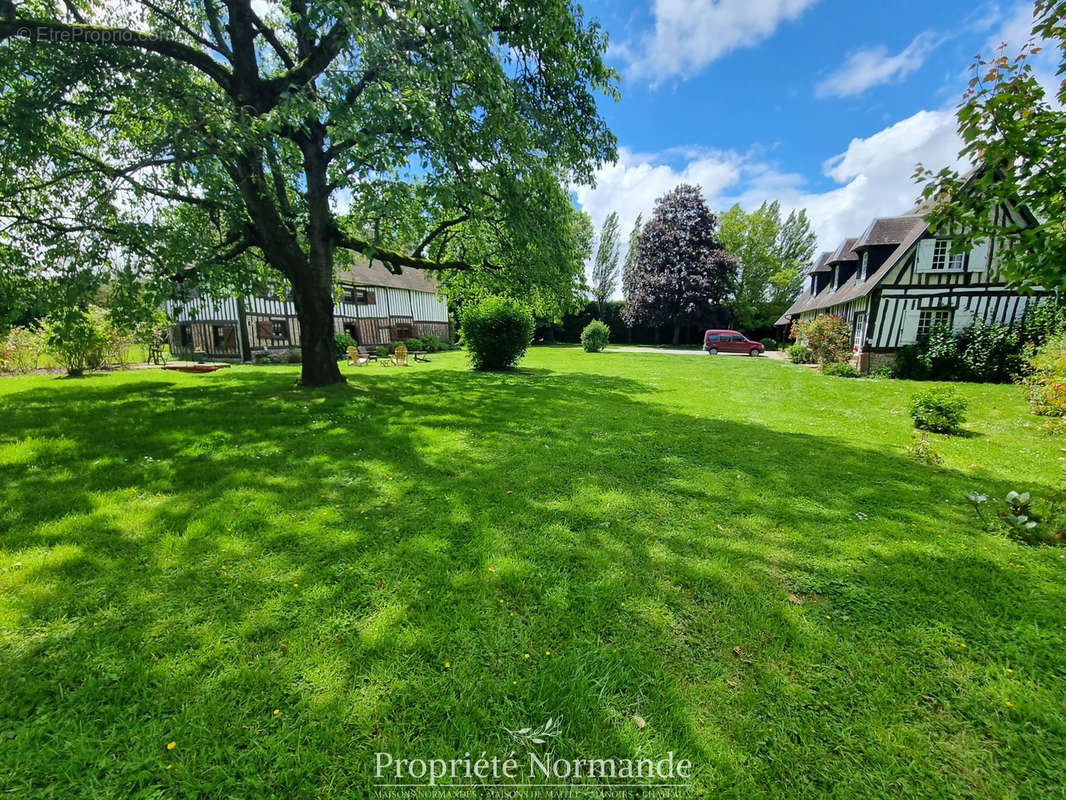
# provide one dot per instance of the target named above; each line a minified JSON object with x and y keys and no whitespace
{"x":220,"y":140}
{"x":1016,"y":137}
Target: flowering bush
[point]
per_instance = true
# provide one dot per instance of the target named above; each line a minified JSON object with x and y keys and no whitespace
{"x":827,"y":336}
{"x":1046,"y":382}
{"x":20,"y":350}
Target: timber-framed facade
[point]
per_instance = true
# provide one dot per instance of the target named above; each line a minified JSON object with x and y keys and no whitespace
{"x":374,"y":306}
{"x":898,"y":280}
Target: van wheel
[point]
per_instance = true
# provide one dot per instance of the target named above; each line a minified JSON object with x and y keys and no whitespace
{"x":754,"y":352}
{"x":712,"y":351}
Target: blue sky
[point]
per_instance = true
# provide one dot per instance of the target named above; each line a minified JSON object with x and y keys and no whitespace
{"x":823,"y":104}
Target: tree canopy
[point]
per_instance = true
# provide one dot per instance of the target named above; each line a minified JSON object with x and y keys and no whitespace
{"x":220,"y":141}
{"x":605,"y":267}
{"x":773,"y":257}
{"x":631,"y":256}
{"x":681,"y":272}
{"x":1017,"y":137}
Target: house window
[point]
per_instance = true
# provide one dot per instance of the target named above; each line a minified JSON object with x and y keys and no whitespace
{"x":279,"y":329}
{"x":224,"y":337}
{"x":353,"y":294}
{"x":185,"y":335}
{"x":944,"y":259}
{"x":403,"y":332}
{"x":929,"y":318}
{"x":860,"y":331}
{"x":865,"y":265}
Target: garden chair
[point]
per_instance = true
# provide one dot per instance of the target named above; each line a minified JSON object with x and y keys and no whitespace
{"x":399,"y":357}
{"x":357,"y":357}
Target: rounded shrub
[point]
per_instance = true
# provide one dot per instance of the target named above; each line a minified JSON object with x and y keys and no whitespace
{"x":799,"y":353}
{"x":496,"y":332}
{"x":595,"y":336}
{"x":939,"y":409}
{"x":769,"y":344}
{"x":840,"y":369}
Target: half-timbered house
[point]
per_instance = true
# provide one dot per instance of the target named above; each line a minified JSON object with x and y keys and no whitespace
{"x":898,"y":280}
{"x":372,"y":305}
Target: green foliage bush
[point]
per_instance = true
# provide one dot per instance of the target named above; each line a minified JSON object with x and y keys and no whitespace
{"x":1046,"y":382}
{"x":922,"y":450}
{"x":82,"y":339}
{"x":769,"y":344}
{"x":20,"y":350}
{"x":799,"y":353}
{"x":343,"y":341}
{"x":940,"y":409}
{"x":595,"y":336}
{"x":382,"y":351}
{"x":883,"y":372}
{"x":496,"y":332}
{"x":840,"y":369}
{"x":984,"y":352}
{"x":991,"y":353}
{"x":828,"y":337}
{"x":435,"y":344}
{"x":909,"y":364}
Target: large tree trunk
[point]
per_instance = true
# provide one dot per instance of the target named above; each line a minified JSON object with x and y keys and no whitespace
{"x":314,"y":297}
{"x":314,"y":309}
{"x":677,"y":333}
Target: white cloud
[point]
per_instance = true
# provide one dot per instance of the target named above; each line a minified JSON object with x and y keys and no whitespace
{"x":864,"y":69}
{"x":1015,"y":29}
{"x":690,"y":34}
{"x":873,"y":177}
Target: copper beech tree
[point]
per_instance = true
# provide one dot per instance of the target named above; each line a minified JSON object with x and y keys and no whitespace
{"x":680,"y":272}
{"x":224,"y":141}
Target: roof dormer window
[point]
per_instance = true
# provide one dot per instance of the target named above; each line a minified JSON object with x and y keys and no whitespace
{"x":864,"y":265}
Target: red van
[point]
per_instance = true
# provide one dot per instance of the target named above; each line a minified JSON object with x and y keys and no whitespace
{"x":722,"y":341}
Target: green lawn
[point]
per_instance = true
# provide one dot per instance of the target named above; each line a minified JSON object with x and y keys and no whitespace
{"x":283,"y":582}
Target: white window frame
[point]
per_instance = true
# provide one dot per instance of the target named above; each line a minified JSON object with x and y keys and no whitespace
{"x":859,"y":337}
{"x":929,"y":318}
{"x":946,"y":261}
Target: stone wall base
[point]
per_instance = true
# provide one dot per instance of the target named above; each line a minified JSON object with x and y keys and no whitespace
{"x":868,"y":362}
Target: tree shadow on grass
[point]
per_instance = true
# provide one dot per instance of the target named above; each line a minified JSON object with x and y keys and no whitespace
{"x":194,"y":553}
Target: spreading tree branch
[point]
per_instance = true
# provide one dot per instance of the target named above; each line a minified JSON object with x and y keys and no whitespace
{"x":49,"y":31}
{"x":395,"y":261}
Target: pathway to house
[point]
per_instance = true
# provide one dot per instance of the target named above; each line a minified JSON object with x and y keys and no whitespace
{"x":778,"y":355}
